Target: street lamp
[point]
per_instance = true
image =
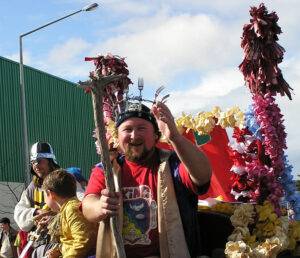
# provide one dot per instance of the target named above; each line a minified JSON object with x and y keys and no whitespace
{"x":87,"y":8}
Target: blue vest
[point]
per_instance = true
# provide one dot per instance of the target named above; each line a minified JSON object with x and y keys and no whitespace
{"x":188,"y":206}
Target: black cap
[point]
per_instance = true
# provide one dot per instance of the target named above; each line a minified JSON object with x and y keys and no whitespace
{"x":139,"y":111}
{"x":5,"y":220}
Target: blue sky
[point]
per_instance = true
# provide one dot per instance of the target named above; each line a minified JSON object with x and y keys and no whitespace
{"x":190,"y":46}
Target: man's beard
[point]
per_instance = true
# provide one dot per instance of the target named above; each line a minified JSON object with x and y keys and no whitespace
{"x":137,"y":157}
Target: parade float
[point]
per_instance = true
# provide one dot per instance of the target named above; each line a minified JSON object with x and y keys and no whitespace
{"x":252,"y":184}
{"x":266,"y":217}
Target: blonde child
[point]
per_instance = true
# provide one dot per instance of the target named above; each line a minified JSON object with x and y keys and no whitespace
{"x":77,"y":236}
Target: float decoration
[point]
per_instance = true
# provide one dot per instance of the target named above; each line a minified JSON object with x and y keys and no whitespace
{"x":204,"y":122}
{"x":262,"y":174}
{"x":262,"y":54}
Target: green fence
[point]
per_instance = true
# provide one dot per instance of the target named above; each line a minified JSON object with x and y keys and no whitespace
{"x":57,"y":112}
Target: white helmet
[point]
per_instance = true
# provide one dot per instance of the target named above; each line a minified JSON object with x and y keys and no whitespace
{"x":42,"y":150}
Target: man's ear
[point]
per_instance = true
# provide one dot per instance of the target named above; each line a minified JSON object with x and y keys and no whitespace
{"x":47,"y":192}
{"x":54,"y":196}
{"x":51,"y":194}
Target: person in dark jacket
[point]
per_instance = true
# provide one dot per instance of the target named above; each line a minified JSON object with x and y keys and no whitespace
{"x":7,"y":239}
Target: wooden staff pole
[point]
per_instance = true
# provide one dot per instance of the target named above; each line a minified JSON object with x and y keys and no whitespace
{"x":97,"y":98}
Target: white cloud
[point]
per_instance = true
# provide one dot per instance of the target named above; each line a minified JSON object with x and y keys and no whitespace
{"x":137,"y":24}
{"x":290,"y":110}
{"x":211,"y":92}
{"x":180,"y":43}
{"x":120,"y":7}
{"x":220,"y":83}
{"x":66,"y":60}
{"x":130,"y":7}
{"x":68,"y":51}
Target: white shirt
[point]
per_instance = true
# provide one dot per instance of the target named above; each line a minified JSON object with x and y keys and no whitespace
{"x":6,"y":249}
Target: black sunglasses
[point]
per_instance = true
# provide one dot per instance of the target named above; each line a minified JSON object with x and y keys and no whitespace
{"x":36,"y":162}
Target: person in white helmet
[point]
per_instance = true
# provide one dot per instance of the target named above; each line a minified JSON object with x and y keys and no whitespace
{"x":32,"y":201}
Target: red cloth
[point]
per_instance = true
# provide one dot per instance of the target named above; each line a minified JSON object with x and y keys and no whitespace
{"x":22,"y":235}
{"x":139,"y":191}
{"x":217,"y":152}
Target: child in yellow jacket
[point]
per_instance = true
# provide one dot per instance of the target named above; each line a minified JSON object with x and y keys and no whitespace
{"x":77,"y":235}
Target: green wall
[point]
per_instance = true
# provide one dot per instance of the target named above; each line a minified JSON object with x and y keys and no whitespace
{"x":57,"y":112}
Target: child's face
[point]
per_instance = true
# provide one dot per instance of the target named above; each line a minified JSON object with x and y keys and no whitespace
{"x":50,"y":200}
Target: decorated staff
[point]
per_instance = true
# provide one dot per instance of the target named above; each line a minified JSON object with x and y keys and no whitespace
{"x":108,"y":83}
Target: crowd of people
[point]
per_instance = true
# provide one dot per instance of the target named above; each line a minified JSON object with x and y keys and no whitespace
{"x":155,"y":199}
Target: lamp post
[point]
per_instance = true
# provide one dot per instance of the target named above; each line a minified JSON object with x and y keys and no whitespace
{"x":87,"y":8}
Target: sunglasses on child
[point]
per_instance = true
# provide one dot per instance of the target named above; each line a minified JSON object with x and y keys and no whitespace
{"x":37,"y":162}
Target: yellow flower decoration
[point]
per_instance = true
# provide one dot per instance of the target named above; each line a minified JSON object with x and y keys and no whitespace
{"x":267,"y":221}
{"x":269,"y":237}
{"x":204,"y":122}
{"x":243,"y":215}
{"x":185,"y":121}
{"x":293,"y":234}
{"x":231,"y":118}
{"x":237,"y":249}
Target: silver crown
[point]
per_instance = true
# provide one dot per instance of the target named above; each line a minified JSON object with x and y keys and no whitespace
{"x":134,"y":103}
{"x":134,"y":107}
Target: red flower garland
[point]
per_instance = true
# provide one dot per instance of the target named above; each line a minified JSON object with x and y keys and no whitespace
{"x":113,"y":93}
{"x":263,"y":160}
{"x":263,"y":53}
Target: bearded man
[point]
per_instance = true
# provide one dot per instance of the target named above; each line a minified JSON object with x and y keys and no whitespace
{"x":157,"y":202}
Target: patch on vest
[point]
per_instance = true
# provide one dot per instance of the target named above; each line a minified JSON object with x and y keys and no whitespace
{"x":140,"y":214}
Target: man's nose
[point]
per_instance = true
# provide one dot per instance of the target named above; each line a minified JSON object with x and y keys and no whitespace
{"x":134,"y":134}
